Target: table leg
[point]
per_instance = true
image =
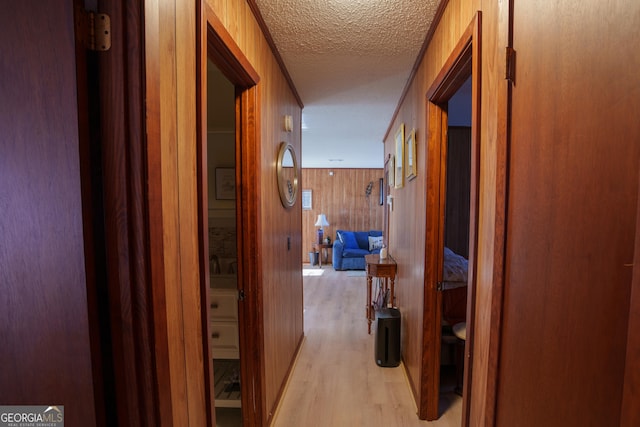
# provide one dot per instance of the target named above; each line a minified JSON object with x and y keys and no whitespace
{"x":369,"y":303}
{"x":391,"y":293}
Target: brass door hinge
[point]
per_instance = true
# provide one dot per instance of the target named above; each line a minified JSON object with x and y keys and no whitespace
{"x":95,"y":30}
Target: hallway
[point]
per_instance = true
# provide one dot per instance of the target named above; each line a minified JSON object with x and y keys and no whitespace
{"x":335,"y":381}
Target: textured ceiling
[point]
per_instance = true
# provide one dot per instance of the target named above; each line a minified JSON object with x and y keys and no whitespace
{"x":349,"y":61}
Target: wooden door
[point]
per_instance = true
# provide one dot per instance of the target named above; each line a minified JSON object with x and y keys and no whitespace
{"x":44,"y":315}
{"x":573,"y":188}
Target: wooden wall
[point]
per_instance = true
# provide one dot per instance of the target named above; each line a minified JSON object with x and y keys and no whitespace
{"x":556,"y":197}
{"x":342,"y":198}
{"x":170,"y":34}
{"x":170,"y":46}
{"x":407,"y":221}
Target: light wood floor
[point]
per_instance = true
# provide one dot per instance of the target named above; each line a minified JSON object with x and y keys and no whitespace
{"x":336,"y":381}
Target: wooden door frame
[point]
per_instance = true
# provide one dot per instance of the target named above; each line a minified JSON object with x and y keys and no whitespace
{"x":464,"y":61}
{"x":135,"y":327}
{"x":217,"y":44}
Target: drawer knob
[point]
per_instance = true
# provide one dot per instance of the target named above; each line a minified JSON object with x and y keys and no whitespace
{"x":214,"y":305}
{"x":215,"y":335}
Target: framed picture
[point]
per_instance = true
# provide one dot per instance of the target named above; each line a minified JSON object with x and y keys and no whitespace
{"x":411,"y":167}
{"x":391,"y":171}
{"x":225,"y":183}
{"x":306,"y":199}
{"x":399,"y":175}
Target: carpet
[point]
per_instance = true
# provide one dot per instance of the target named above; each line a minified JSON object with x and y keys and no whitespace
{"x":356,"y":273}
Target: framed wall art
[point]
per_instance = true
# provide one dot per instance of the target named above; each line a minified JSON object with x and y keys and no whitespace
{"x":399,"y":174}
{"x":306,"y":200}
{"x":411,"y":167}
{"x":390,"y":171}
{"x":225,"y":183}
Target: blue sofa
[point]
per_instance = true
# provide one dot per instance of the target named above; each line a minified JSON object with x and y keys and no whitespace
{"x":350,"y":247}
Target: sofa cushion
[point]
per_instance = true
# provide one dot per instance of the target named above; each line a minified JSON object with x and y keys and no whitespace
{"x":375,"y":242}
{"x":362,"y":237}
{"x":348,"y":239}
{"x":354,"y":253}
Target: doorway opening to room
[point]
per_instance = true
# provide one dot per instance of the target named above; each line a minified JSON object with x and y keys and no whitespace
{"x":228,"y":220}
{"x":223,"y":242}
{"x":453,"y":112}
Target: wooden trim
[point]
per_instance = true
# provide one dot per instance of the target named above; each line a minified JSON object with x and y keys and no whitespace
{"x":484,"y":402}
{"x":474,"y":213}
{"x":274,"y":49}
{"x":250,"y":313}
{"x":202,"y":35}
{"x":430,"y":369}
{"x":223,"y":51}
{"x":456,"y":68}
{"x":230,"y":59}
{"x":432,"y":29}
{"x":464,"y":60}
{"x":135,"y":347}
{"x":629,"y":413}
{"x":155,"y":214}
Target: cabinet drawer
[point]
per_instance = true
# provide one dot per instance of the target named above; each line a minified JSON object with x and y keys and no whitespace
{"x":223,"y":305}
{"x":224,"y":340}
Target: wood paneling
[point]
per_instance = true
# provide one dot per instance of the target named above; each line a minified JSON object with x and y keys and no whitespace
{"x":275,"y":241}
{"x":409,"y":224}
{"x":170,"y":34}
{"x":547,"y":188}
{"x":341,"y":195}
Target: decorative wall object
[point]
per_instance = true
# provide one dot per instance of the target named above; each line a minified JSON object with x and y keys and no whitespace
{"x":307,"y":199}
{"x":411,"y":167}
{"x":287,"y":173}
{"x":399,"y":175}
{"x":225,"y":183}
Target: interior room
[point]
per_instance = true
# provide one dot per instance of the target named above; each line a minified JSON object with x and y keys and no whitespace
{"x":172,"y":169}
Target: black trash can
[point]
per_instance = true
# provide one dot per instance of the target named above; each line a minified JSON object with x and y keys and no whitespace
{"x":387,"y":346}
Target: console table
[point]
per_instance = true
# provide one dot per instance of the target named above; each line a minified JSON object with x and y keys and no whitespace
{"x":381,"y":268}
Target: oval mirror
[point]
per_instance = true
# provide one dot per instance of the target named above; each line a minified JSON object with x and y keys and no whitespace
{"x":287,"y":171}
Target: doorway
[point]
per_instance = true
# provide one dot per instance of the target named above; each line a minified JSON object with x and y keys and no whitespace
{"x":228,"y":218}
{"x":448,"y":167}
{"x":223,"y":243}
{"x":456,"y":239}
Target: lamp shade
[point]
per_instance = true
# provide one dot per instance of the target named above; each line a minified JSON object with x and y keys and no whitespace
{"x":322,"y":221}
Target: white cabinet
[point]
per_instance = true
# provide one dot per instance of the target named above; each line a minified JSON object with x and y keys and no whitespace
{"x":225,"y":343}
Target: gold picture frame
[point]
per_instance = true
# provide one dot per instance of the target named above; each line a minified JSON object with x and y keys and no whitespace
{"x":399,"y":174}
{"x":411,"y":168}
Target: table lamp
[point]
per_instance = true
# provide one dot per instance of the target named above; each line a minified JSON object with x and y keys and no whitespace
{"x":321,"y":222}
